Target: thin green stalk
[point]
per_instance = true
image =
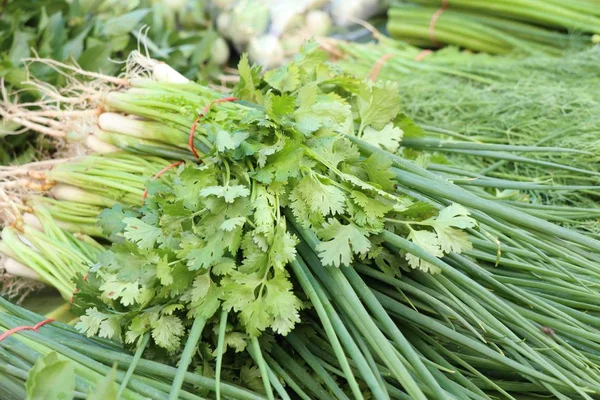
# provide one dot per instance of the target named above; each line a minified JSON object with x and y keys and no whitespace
{"x":303,"y":376}
{"x":331,"y":334}
{"x":186,"y":357}
{"x":316,"y":366}
{"x":287,"y":378}
{"x":220,"y":350}
{"x":262,"y":366}
{"x":134,"y":362}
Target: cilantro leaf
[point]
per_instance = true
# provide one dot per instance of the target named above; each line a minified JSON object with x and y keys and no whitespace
{"x":111,"y":220}
{"x":98,"y":323}
{"x":451,"y":217}
{"x":139,"y":232}
{"x":319,"y":197}
{"x":167,"y":331}
{"x":284,"y":79}
{"x":229,"y":193}
{"x":249,"y":78}
{"x":163,"y":272}
{"x":281,"y":166}
{"x":387,"y":138}
{"x":379,"y":171}
{"x":378,"y":104}
{"x":341,"y":243}
{"x":311,"y":114}
{"x":428,"y":241}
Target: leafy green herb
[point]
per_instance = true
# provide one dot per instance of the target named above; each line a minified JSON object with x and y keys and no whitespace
{"x":213,"y":236}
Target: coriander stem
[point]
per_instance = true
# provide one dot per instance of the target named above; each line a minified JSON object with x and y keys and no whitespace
{"x":220,"y":349}
{"x":186,"y":357}
{"x":136,"y":358}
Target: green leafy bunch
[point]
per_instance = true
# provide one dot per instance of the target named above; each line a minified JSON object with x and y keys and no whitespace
{"x":95,"y":33}
{"x":216,"y":235}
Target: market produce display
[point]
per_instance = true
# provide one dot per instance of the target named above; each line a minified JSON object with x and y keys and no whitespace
{"x":364,"y":221}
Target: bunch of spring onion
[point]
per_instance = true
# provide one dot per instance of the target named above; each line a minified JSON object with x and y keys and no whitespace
{"x":32,"y":363}
{"x":476,"y":108}
{"x":498,"y":28}
{"x":94,"y":180}
{"x":94,"y":34}
{"x":37,"y":248}
{"x":64,"y":195}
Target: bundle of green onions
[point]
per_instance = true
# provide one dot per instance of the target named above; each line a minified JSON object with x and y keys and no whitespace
{"x":499,"y":27}
{"x":420,"y":288}
{"x":55,"y":361}
{"x":96,"y":180}
{"x":94,"y":34}
{"x":37,"y":248}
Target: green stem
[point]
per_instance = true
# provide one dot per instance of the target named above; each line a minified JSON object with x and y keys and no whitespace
{"x":220,"y":350}
{"x":136,"y":358}
{"x":186,"y":357}
{"x":262,"y":366}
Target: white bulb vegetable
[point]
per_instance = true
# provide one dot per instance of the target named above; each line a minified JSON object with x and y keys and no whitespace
{"x":266,"y":51}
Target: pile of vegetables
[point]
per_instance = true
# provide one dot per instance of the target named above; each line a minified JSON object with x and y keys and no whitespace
{"x":97,"y":35}
{"x":475,"y":109}
{"x":293,"y":238}
{"x":272,"y":32}
{"x":500,"y":27}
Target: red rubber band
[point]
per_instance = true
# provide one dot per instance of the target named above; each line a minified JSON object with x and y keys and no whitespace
{"x":158,"y":174}
{"x":434,"y":19}
{"x":202,"y":114}
{"x":378,"y":65}
{"x":25,"y":328}
{"x":191,"y":139}
{"x":72,"y":299}
{"x":423,"y":54}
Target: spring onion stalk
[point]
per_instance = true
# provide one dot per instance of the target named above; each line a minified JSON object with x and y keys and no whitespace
{"x":544,"y":13}
{"x":53,"y":255}
{"x":95,"y":180}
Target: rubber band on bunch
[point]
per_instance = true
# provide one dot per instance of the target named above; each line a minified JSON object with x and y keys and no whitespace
{"x":34,"y":328}
{"x":200,"y":116}
{"x":434,"y":19}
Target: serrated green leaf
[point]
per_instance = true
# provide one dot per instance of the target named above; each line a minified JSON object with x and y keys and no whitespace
{"x":379,"y":171}
{"x":451,"y":217}
{"x":163,"y":272}
{"x":284,"y":79}
{"x":341,"y":242}
{"x":378,"y":105}
{"x":167,"y":331}
{"x":429,"y":242}
{"x":388,"y":138}
{"x":141,"y":233}
{"x":228,"y":193}
{"x":319,"y":197}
